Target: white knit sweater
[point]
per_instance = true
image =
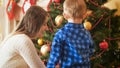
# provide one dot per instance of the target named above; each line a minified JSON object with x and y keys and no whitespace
{"x":18,"y":51}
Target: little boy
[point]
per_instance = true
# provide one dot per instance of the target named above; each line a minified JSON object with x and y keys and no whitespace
{"x":72,"y":45}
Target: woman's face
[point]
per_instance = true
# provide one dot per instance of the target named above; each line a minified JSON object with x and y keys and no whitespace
{"x":43,"y":28}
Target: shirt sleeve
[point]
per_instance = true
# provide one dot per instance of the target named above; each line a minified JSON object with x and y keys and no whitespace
{"x":91,"y":52}
{"x":55,"y":53}
{"x":28,"y":52}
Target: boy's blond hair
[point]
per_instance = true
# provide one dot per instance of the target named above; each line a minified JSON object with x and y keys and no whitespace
{"x":76,"y":8}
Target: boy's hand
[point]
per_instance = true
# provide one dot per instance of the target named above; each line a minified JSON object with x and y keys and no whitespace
{"x":57,"y":66}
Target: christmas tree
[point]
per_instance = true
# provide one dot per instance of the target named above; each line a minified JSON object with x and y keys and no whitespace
{"x":102,"y":23}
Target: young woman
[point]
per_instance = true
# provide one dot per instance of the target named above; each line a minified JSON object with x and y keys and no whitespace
{"x":17,"y":50}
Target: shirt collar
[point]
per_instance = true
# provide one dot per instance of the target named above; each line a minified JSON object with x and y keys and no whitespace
{"x":73,"y":25}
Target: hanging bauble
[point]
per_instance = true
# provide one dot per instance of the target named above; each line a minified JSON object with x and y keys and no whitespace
{"x":57,"y":1}
{"x":33,"y":2}
{"x":45,"y":49}
{"x":10,"y":9}
{"x":27,"y":4}
{"x":40,"y":41}
{"x":18,"y":13}
{"x":103,"y":45}
{"x":58,"y":20}
{"x":45,"y":4}
{"x":48,"y":6}
{"x":87,"y":25}
{"x":113,"y":4}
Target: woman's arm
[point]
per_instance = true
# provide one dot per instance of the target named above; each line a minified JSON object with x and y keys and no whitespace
{"x":29,"y":54}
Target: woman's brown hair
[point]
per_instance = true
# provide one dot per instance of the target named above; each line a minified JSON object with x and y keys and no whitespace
{"x":32,"y":21}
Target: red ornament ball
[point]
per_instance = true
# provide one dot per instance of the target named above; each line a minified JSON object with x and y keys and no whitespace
{"x":57,"y":1}
{"x":103,"y":45}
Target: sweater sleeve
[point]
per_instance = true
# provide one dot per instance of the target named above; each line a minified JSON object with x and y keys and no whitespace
{"x":91,"y":51}
{"x":55,"y":53}
{"x":27,"y":51}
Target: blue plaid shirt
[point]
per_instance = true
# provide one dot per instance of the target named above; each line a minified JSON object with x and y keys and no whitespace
{"x":72,"y":47}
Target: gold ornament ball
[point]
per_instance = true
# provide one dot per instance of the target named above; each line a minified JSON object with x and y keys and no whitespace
{"x":44,"y":49}
{"x":58,"y":20}
{"x":87,"y":25}
{"x":40,"y":41}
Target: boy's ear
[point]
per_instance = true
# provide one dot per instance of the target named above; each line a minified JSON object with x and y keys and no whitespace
{"x":85,"y":15}
{"x":66,"y":16}
{"x":88,"y":13}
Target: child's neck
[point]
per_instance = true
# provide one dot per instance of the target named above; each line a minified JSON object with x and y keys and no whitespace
{"x":76,"y":21}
